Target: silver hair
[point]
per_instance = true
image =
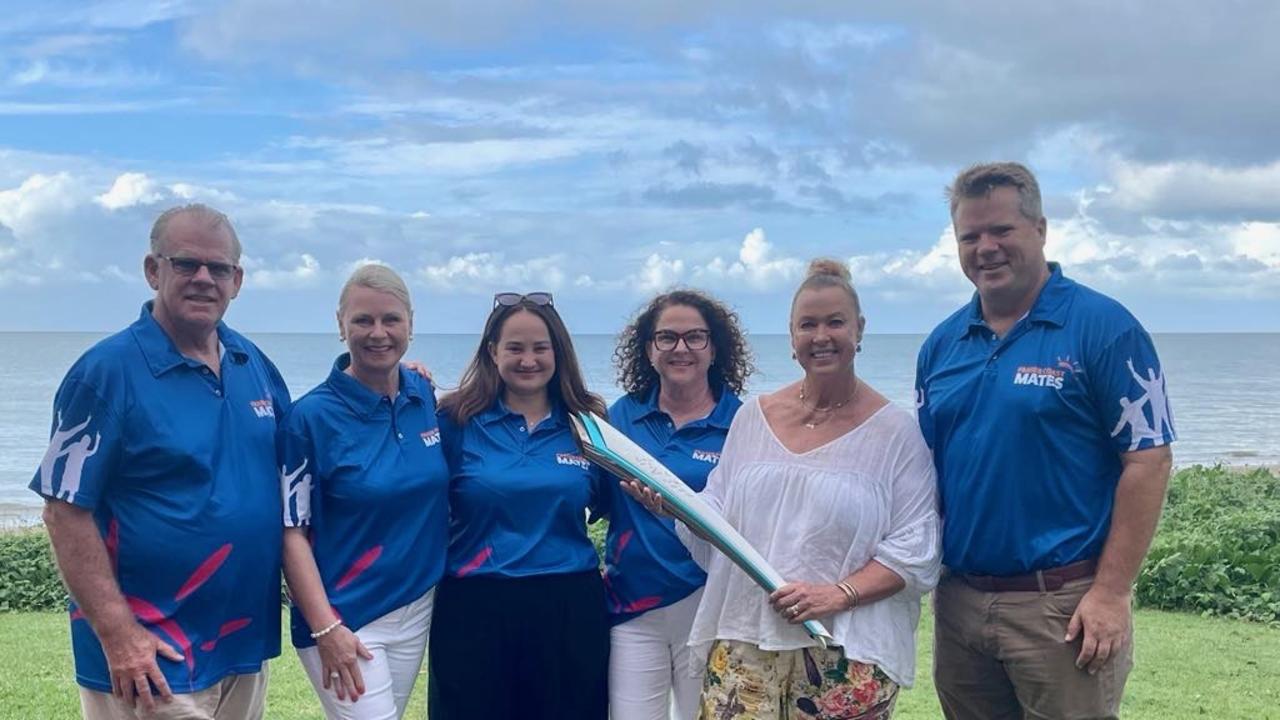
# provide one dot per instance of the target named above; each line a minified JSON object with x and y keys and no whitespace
{"x":202,"y":213}
{"x":376,"y":277}
{"x":979,"y":180}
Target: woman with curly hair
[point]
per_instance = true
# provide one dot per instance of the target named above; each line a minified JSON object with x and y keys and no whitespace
{"x":683,"y":362}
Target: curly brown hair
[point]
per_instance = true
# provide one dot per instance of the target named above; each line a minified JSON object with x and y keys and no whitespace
{"x":733,"y":363}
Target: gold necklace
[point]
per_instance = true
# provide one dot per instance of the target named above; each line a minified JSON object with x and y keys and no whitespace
{"x":830,"y":409}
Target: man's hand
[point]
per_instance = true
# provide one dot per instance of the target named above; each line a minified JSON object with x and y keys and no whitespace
{"x":1105,"y":618}
{"x":131,"y":660}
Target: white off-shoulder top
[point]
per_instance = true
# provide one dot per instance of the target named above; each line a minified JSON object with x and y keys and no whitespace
{"x":817,"y":517}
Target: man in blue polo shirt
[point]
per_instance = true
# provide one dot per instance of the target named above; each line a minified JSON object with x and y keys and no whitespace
{"x":1044,"y":404}
{"x":161,"y":494}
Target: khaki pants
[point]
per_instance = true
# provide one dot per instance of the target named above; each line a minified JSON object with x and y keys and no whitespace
{"x":1001,"y":655}
{"x":235,"y":697}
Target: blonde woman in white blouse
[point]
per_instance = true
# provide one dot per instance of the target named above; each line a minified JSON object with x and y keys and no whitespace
{"x":835,"y":487}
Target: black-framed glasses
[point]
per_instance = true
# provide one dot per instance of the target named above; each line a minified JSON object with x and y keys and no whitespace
{"x":696,"y":339}
{"x":508,"y":299}
{"x":191,"y":266}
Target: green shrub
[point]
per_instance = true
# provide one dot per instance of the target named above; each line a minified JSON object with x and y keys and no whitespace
{"x":1217,"y":551}
{"x":28,"y":577}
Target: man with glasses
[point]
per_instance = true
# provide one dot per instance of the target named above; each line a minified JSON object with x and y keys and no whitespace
{"x":161,"y":494}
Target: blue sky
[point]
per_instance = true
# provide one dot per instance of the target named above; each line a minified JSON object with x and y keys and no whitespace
{"x":607,"y":150}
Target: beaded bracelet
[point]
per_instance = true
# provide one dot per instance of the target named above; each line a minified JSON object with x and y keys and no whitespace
{"x":321,"y":633}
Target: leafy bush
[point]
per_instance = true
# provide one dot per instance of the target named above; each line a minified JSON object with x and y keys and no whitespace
{"x":28,"y":578}
{"x":1217,"y":551}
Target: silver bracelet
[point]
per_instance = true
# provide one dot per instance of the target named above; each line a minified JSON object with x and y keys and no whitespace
{"x":321,"y":633}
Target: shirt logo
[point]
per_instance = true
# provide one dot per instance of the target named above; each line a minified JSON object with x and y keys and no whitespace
{"x":707,"y":456}
{"x":1050,"y":377}
{"x":431,"y":438}
{"x":76,"y":450}
{"x":573,"y":459}
{"x":263,"y":408}
{"x":1133,"y":412}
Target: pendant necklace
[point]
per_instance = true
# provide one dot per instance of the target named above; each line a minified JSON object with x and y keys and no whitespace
{"x":828,"y":410}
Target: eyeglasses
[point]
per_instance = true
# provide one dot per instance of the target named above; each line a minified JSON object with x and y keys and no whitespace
{"x":509,"y":299}
{"x":693,"y":339}
{"x":191,"y":266}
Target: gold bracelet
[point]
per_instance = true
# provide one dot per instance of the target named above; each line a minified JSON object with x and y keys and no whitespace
{"x":851,"y":593}
{"x":321,"y":633}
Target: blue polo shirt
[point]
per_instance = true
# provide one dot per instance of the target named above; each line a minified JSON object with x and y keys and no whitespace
{"x":178,"y":467}
{"x":1027,"y":430}
{"x":518,"y":496}
{"x":646,"y":565}
{"x":366,"y":475}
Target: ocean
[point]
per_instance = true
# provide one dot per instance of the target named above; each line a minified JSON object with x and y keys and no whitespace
{"x":1220,"y":387}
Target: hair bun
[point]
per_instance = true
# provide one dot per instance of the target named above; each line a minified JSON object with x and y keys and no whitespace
{"x":829,"y":266}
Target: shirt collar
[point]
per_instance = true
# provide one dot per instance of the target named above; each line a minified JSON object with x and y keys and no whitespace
{"x":499,"y":411}
{"x":721,"y":416}
{"x":162,"y":354}
{"x":1050,"y":306}
{"x":357,"y":395}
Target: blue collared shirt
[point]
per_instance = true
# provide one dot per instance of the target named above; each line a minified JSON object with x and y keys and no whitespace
{"x":1028,"y":430}
{"x":366,"y":475}
{"x":178,"y":467}
{"x":518,"y":496}
{"x":646,"y":565}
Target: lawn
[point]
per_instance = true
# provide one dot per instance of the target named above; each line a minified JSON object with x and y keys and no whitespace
{"x":1186,"y":666}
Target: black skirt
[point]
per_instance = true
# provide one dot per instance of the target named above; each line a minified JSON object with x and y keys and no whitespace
{"x":529,"y":648}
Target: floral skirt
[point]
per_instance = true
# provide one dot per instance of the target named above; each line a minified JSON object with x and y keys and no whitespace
{"x":742,"y":681}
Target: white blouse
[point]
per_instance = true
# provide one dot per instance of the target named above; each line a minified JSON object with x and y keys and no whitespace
{"x":818,"y":516}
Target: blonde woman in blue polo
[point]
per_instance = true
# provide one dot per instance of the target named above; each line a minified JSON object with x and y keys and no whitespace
{"x":365,"y":489}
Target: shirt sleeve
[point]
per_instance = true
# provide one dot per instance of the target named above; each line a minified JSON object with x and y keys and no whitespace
{"x":84,"y":446}
{"x":280,"y":398}
{"x":297,"y":460}
{"x":450,"y":441}
{"x":923,"y":416}
{"x":1127,"y":381}
{"x":912,"y":547}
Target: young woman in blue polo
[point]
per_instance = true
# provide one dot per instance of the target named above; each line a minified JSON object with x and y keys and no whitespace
{"x":520,"y":629}
{"x":366,"y":513}
{"x":683,"y":362}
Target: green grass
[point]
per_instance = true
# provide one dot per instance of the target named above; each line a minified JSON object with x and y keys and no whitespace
{"x":1187,"y":666}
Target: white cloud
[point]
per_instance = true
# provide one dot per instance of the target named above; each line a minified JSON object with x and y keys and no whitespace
{"x":306,"y":272}
{"x":487,"y":272}
{"x":130,"y":189}
{"x":1192,"y":188}
{"x":756,"y":265}
{"x":658,"y":273}
{"x":38,"y":197}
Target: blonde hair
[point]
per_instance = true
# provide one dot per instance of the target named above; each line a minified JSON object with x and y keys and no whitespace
{"x":825,"y":273}
{"x":376,"y":277}
{"x":978,"y":181}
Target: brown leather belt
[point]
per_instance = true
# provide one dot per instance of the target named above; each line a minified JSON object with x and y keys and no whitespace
{"x":1038,"y":581}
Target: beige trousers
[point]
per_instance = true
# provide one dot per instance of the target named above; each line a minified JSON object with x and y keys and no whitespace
{"x":235,"y":697}
{"x":1001,"y":656}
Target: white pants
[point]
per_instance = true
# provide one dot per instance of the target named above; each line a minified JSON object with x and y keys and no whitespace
{"x":649,"y":673}
{"x":397,"y":641}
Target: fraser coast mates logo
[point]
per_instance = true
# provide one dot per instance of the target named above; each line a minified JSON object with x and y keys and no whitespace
{"x":263,"y":408}
{"x":431,"y":437}
{"x":573,"y":459}
{"x":707,"y":456}
{"x":1050,"y":377}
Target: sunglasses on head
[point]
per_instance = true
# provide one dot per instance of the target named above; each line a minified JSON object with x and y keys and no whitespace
{"x":191,"y":266}
{"x":509,"y":299}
